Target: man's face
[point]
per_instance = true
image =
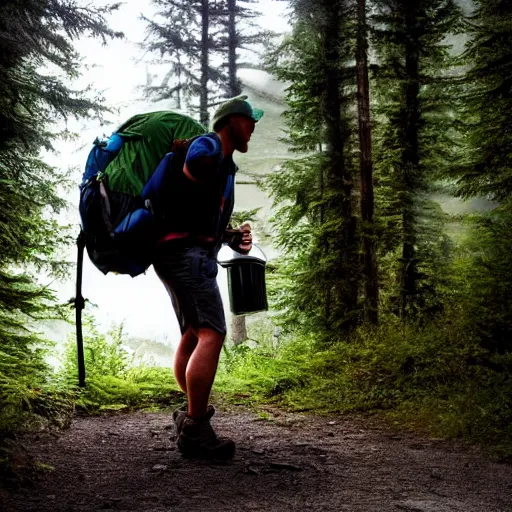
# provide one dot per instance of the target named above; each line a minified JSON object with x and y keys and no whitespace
{"x":241,"y":128}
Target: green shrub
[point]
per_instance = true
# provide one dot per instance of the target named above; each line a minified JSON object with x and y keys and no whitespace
{"x":104,"y":354}
{"x":434,"y":377}
{"x":112,"y":383}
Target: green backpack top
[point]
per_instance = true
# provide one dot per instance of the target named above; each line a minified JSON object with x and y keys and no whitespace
{"x":147,"y":139}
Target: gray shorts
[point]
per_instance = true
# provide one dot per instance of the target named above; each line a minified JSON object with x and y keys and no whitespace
{"x":189,"y":275}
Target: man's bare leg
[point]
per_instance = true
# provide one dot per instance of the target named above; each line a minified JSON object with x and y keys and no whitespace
{"x":196,"y":437}
{"x":201,"y":370}
{"x":186,"y":347}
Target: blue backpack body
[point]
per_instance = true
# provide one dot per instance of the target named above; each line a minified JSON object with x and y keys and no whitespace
{"x":102,"y":153}
{"x":120,"y":229}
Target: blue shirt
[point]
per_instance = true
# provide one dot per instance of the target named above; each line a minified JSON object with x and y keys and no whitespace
{"x":203,"y":192}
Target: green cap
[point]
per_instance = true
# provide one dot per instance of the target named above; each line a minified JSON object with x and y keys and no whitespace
{"x":238,"y":105}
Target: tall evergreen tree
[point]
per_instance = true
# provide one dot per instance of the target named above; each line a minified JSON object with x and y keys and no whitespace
{"x":205,"y":61}
{"x":485,"y":169}
{"x":181,"y":35}
{"x":236,"y":30}
{"x":199,"y":41}
{"x":233,"y":43}
{"x":487,"y":94}
{"x":414,"y":135}
{"x":232,"y":16}
{"x":335,"y":26}
{"x":318,"y":229}
{"x":173,"y":40}
{"x":366,"y":167}
{"x":298,"y":189}
{"x":36,"y":61}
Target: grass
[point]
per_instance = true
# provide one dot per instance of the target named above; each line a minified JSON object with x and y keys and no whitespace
{"x":434,"y":379}
{"x":140,"y":388}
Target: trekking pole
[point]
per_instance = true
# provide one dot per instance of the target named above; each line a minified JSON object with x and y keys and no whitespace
{"x":79,"y":306}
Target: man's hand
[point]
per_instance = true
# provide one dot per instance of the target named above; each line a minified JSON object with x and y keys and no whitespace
{"x":240,"y":240}
{"x":246,"y":244}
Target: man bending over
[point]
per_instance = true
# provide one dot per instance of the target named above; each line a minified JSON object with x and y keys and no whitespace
{"x":186,"y":263}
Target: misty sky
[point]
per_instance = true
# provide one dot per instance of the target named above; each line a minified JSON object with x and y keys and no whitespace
{"x":120,"y":68}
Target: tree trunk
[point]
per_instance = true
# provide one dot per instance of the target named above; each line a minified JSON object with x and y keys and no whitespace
{"x":179,"y":87}
{"x":327,"y":303}
{"x":178,"y":98}
{"x":203,"y":93}
{"x":238,"y":330}
{"x":234,"y":83}
{"x":366,"y":167}
{"x":346,"y":275}
{"x":410,"y":163}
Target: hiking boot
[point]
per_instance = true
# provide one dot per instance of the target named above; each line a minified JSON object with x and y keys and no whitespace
{"x":197,"y":439}
{"x":179,"y":416}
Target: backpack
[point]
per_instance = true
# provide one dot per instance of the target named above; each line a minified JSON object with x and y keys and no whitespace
{"x":122,"y":186}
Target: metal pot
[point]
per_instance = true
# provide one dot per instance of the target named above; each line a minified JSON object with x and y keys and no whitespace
{"x":246,"y":279}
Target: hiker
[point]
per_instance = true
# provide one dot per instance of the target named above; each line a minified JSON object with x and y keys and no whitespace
{"x":186,"y":262}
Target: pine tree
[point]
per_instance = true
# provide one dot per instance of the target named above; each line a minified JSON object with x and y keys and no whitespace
{"x":486,"y":170}
{"x":318,"y":228}
{"x":181,"y":34}
{"x":173,"y":40}
{"x":233,"y":43}
{"x":200,"y":41}
{"x":487,"y":166}
{"x":414,"y":133}
{"x":205,"y":60}
{"x":366,"y":167}
{"x":236,"y":30}
{"x":298,"y":189}
{"x":36,"y":60}
{"x":335,"y":26}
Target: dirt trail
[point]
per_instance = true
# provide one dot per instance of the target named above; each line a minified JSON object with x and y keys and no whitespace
{"x":292,"y":463}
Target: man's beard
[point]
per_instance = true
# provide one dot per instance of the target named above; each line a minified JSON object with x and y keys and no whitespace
{"x":239,"y":141}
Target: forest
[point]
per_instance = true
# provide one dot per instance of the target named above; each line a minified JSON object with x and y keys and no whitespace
{"x":386,"y":300}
